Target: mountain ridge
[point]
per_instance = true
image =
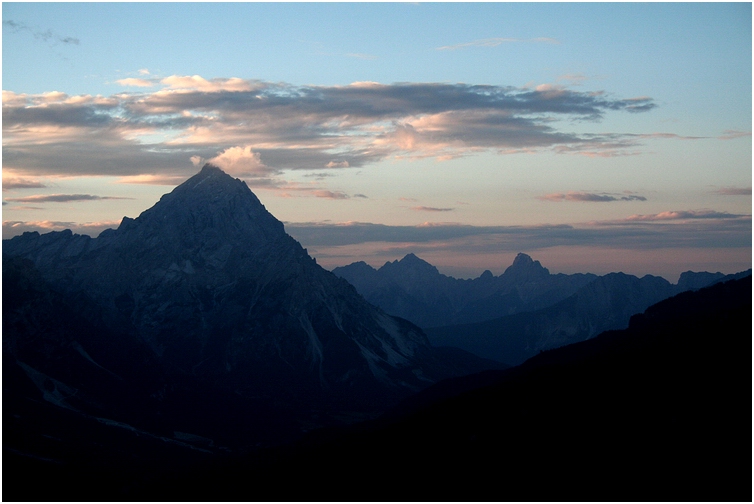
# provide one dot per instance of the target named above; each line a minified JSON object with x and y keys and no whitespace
{"x":220,"y":294}
{"x":654,"y":411}
{"x":511,"y":317}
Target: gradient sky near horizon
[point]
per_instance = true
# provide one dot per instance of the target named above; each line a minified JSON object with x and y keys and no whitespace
{"x":593,"y":137}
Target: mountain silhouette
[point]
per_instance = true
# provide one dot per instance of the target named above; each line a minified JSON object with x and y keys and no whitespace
{"x":186,"y":354}
{"x":206,"y":291}
{"x":513,"y":316}
{"x":658,"y":411}
{"x":414,"y":289}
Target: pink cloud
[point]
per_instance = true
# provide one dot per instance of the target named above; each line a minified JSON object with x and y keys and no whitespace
{"x":169,"y":180}
{"x":20,"y":183}
{"x":321,"y":193}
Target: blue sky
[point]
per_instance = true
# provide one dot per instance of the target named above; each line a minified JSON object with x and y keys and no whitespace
{"x":595,"y":137}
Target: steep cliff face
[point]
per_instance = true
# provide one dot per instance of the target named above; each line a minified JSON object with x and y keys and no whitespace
{"x":208,"y":279}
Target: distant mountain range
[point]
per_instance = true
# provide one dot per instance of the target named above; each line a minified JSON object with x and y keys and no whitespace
{"x":513,"y":316}
{"x":415,"y":290}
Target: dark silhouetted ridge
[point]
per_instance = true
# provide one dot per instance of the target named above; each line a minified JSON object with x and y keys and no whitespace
{"x":248,"y":342}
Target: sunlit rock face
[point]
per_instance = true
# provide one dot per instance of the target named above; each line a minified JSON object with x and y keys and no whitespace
{"x":208,"y":279}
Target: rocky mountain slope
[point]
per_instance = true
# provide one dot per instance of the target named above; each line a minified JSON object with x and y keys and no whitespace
{"x":514,"y":316}
{"x":206,"y":292}
{"x":658,"y":411}
{"x":415,"y":290}
{"x":606,"y":303}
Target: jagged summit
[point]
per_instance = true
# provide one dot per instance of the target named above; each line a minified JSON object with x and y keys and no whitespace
{"x":412,"y":262}
{"x":523,"y":259}
{"x":524,"y":266}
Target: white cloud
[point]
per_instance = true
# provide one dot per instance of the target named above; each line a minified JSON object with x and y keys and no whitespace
{"x":241,"y":162}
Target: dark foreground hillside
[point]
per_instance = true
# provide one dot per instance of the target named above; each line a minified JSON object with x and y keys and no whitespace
{"x":660,"y":412}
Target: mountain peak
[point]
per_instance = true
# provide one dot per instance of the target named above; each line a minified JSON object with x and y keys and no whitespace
{"x":525,"y":267}
{"x":209,"y":168}
{"x":522,"y":260}
{"x":211,"y":206}
{"x":412,"y":258}
{"x":411,"y":263}
{"x":212,"y":179}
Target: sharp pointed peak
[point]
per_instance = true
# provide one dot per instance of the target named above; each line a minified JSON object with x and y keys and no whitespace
{"x":210,"y":170}
{"x":212,"y":179}
{"x":410,"y":262}
{"x":415,"y":261}
{"x":411,"y":257}
{"x":214,"y":202}
{"x":209,"y":167}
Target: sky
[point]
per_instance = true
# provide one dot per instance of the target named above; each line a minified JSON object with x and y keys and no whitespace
{"x":593,"y":137}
